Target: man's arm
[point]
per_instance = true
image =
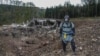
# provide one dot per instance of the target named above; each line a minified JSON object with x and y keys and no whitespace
{"x":73,"y":29}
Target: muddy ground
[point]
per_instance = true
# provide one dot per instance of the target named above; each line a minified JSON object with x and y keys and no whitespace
{"x":44,"y":42}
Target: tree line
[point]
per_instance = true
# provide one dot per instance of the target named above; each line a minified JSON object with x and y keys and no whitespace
{"x":14,"y":11}
{"x":17,"y":3}
{"x":88,"y":8}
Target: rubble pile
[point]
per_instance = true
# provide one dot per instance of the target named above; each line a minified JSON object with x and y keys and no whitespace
{"x":46,"y":42}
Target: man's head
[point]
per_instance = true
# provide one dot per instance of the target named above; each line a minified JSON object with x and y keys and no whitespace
{"x":66,"y":18}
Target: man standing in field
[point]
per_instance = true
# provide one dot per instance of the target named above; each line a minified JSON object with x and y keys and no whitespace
{"x":67,"y":32}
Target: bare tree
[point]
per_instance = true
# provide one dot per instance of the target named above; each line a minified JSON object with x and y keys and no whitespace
{"x":23,"y":4}
{"x":11,"y":2}
{"x":18,"y":3}
{"x":30,"y":4}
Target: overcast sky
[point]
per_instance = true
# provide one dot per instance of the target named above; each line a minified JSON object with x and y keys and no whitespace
{"x":49,"y":3}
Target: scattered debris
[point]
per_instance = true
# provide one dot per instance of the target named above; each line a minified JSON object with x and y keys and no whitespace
{"x":34,"y":40}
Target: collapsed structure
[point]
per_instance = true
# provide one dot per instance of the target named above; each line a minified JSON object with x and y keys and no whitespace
{"x":35,"y":25}
{"x":44,"y":23}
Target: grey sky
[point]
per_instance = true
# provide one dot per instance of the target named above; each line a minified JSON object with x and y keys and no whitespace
{"x":49,"y":3}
